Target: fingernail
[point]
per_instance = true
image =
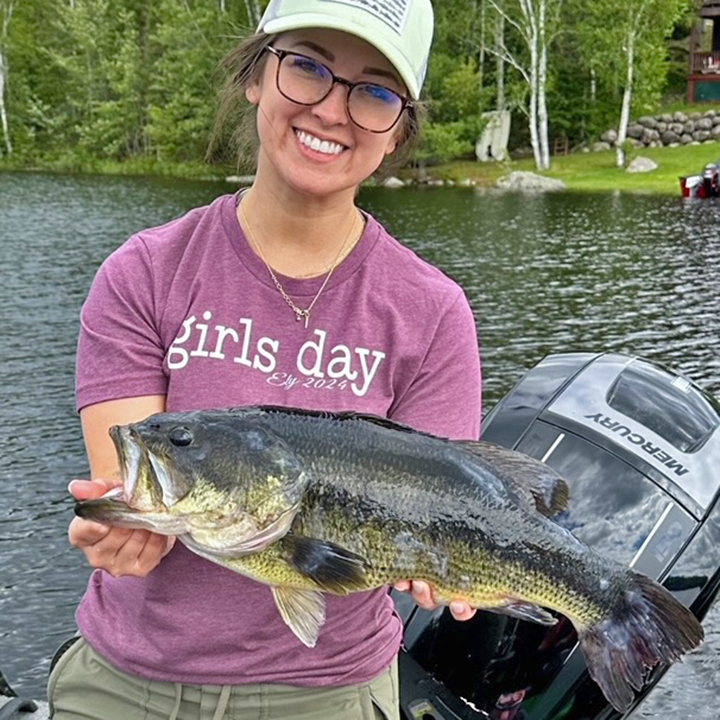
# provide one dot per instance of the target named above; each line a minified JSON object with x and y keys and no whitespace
{"x":457,"y":607}
{"x":420,"y":586}
{"x":70,"y":486}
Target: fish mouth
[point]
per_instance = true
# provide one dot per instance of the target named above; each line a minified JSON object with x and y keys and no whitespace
{"x":144,"y":498}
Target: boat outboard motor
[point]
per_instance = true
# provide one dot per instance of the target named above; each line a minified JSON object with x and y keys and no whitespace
{"x":640,"y":448}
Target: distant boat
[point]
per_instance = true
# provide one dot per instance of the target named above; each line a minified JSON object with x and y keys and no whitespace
{"x":705,"y":184}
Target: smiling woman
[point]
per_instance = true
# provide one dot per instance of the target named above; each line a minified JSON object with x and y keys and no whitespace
{"x":286,"y":294}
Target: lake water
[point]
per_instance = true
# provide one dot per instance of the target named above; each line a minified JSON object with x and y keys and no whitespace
{"x":545,"y":274}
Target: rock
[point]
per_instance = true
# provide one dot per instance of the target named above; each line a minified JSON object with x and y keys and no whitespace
{"x":655,"y":143}
{"x":635,"y":143}
{"x":710,"y":114}
{"x":600,"y":147}
{"x":641,"y":165}
{"x":669,"y":137}
{"x":529,"y":182}
{"x":609,"y":136}
{"x":677,"y":128}
{"x":689,"y":127}
{"x":393,"y":182}
{"x":680,"y":117}
{"x":240,"y":179}
{"x":701,"y":135}
{"x":647,"y":121}
{"x":467,"y":182}
{"x":666,"y":118}
{"x":716,"y":120}
{"x":704,"y":124}
{"x":661,"y":127}
{"x":715,"y":132}
{"x":694,"y":116}
{"x":686,"y":139}
{"x":635,"y":131}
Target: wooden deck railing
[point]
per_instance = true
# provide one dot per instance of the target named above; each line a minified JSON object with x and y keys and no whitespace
{"x":705,"y":63}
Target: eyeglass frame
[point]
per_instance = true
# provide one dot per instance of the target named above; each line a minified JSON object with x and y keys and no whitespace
{"x":282,"y":54}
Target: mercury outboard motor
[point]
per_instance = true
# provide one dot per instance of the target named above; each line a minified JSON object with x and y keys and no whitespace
{"x":640,"y":448}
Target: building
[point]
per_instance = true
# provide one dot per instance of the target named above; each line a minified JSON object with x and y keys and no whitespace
{"x":704,"y":72}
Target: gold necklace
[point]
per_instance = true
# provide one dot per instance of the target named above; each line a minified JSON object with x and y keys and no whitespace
{"x":300,"y":313}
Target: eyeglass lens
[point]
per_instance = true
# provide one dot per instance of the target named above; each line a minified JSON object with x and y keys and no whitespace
{"x":307,"y":82}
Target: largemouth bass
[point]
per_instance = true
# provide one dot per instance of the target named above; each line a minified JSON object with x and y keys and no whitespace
{"x":313,"y":502}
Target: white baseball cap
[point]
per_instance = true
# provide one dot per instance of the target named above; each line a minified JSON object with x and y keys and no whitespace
{"x":401,"y":30}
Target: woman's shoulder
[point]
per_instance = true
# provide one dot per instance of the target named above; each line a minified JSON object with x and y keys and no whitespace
{"x":409,"y":272}
{"x":194,"y":230}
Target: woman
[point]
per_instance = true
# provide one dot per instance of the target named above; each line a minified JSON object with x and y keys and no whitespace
{"x":285,"y":294}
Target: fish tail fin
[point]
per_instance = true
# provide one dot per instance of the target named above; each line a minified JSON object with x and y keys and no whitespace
{"x":649,"y":626}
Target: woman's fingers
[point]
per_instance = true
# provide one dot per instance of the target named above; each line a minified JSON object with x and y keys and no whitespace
{"x":461,"y":610}
{"x":421,"y":593}
{"x":118,"y":551}
{"x":91,"y":489}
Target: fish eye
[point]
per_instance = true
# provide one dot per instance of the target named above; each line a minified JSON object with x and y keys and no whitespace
{"x":180,"y":436}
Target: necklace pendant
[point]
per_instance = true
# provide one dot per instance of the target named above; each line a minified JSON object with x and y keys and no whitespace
{"x":307,"y":318}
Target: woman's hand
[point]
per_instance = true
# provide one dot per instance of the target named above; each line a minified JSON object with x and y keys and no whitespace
{"x":118,"y":551}
{"x":421,"y":593}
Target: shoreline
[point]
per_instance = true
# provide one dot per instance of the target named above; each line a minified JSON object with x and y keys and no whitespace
{"x":581,"y":172}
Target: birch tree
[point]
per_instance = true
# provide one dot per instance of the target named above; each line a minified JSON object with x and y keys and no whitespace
{"x":6,"y":11}
{"x":534,"y":22}
{"x":254,"y":13}
{"x":623,"y":44}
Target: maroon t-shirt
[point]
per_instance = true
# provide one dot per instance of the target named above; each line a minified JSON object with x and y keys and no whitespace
{"x":189,"y":311}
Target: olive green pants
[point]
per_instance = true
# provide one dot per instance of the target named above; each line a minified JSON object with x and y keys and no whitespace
{"x":84,"y":686}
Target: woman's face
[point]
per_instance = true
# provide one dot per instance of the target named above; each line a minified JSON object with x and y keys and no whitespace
{"x":287,"y":129}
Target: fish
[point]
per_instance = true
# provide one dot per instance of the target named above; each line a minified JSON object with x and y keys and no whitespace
{"x":313,"y":502}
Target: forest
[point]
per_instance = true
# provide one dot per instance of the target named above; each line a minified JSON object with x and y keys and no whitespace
{"x":134,"y":81}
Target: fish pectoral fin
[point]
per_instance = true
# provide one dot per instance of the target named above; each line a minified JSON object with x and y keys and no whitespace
{"x":525,"y":611}
{"x":303,"y":612}
{"x":331,"y":567}
{"x":534,"y":482}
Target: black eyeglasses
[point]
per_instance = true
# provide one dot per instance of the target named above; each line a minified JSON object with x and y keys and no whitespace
{"x":305,"y":81}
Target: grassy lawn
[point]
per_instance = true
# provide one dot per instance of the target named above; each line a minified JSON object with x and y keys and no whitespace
{"x":596,"y":172}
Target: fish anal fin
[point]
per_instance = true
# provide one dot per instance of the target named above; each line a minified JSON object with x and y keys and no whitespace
{"x":332,"y":567}
{"x":524,"y":611}
{"x":303,"y":612}
{"x":532,"y":480}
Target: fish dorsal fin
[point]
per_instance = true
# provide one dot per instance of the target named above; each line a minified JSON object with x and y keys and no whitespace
{"x":525,"y":611}
{"x":303,"y":612}
{"x":533,"y":481}
{"x":332,"y":567}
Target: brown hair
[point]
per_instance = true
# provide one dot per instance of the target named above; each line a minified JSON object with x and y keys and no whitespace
{"x":235,"y":127}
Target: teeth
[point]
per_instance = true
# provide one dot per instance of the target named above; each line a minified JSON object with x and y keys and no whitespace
{"x":321,"y":146}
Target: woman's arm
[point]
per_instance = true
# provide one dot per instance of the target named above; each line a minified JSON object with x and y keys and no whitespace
{"x":118,"y":551}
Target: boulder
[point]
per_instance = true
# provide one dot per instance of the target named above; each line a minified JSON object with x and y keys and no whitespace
{"x":686,"y":139}
{"x":710,"y":114}
{"x":701,"y":135}
{"x":677,"y":128}
{"x":610,"y":136}
{"x":641,"y":165}
{"x":647,"y":121}
{"x":635,"y":131}
{"x":695,"y":116}
{"x":715,"y":132}
{"x":716,"y":120}
{"x":600,"y":147}
{"x":661,"y":127}
{"x":669,"y":137}
{"x":679,"y":117}
{"x":529,"y":182}
{"x":704,"y":124}
{"x":666,"y":118}
{"x":393,"y":182}
{"x":689,"y":127}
